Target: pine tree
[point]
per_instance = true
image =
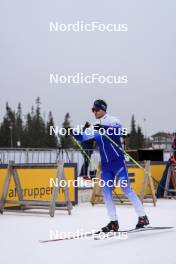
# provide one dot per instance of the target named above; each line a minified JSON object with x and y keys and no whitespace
{"x":66,"y":140}
{"x":7,"y":128}
{"x":51,"y":140}
{"x":136,"y":139}
{"x":35,"y":130}
{"x":140,"y":138}
{"x":19,"y":126}
{"x":38,"y":127}
{"x":133,"y":134}
{"x":28,"y":131}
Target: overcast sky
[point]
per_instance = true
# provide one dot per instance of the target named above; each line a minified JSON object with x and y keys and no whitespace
{"x":146,"y":54}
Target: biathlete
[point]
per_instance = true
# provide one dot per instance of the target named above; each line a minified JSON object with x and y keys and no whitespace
{"x":112,"y":164}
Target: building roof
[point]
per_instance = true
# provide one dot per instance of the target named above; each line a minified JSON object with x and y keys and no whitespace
{"x":163,"y":134}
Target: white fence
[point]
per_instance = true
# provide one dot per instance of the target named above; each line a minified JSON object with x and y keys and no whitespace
{"x":27,"y":155}
{"x":46,"y":156}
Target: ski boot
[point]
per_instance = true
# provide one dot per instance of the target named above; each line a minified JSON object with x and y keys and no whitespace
{"x":142,"y":222}
{"x":113,"y":226}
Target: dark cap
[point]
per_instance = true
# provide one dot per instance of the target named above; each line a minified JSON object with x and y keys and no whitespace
{"x":99,"y":105}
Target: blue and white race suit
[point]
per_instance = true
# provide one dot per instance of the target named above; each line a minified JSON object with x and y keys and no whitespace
{"x":112,"y":162}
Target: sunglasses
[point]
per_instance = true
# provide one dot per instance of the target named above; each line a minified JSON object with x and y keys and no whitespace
{"x":95,"y":109}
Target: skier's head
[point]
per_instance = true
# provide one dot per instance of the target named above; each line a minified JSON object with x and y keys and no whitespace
{"x":99,"y":108}
{"x":174,"y":144}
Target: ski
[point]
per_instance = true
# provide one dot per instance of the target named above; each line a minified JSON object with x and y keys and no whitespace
{"x":102,"y":236}
{"x":150,"y":228}
{"x":83,"y":235}
{"x":97,"y":235}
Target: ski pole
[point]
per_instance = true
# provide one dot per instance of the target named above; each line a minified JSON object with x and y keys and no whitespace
{"x":135,"y":162}
{"x":81,"y":148}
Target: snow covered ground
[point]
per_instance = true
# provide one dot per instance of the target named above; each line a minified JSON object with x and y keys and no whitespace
{"x":20,"y":235}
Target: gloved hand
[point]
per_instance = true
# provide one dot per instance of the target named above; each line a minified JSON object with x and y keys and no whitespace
{"x":97,"y":126}
{"x":87,"y":124}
